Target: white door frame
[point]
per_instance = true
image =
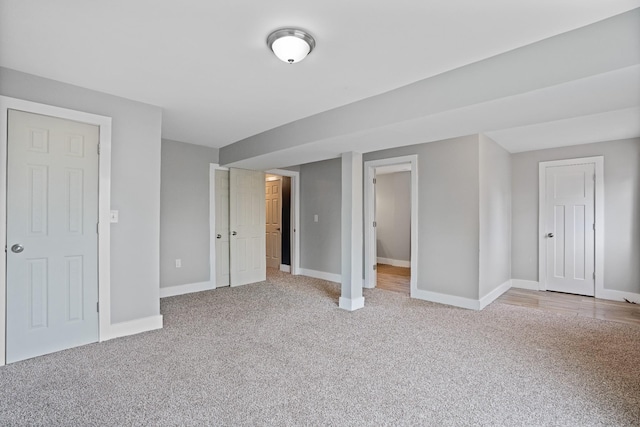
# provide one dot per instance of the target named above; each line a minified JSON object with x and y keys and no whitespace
{"x":370,"y":250}
{"x":104,"y":203}
{"x":295,"y":216}
{"x":598,"y":163}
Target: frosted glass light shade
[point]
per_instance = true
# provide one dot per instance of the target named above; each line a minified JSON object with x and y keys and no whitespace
{"x":290,"y":45}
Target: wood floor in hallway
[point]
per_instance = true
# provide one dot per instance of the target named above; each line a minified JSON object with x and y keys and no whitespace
{"x":396,"y":279}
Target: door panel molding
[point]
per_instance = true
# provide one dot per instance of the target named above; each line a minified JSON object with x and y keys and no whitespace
{"x":104,"y":205}
{"x":598,"y":162}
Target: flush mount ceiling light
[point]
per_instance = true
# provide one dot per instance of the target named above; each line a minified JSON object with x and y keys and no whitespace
{"x":290,"y":44}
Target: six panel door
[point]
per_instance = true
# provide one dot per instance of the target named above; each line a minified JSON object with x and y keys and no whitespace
{"x":52,"y":241}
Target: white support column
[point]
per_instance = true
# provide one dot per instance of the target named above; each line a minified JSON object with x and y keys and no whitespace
{"x":351,"y":298}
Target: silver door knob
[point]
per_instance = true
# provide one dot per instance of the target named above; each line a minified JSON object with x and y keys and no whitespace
{"x":550,"y":235}
{"x":233,"y":233}
{"x":17,"y":248}
{"x":218,"y":236}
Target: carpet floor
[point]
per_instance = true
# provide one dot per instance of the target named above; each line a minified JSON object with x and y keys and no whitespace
{"x":282,"y":353}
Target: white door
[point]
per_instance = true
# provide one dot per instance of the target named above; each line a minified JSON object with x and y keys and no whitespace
{"x":273,"y":206}
{"x":569,"y":233}
{"x":247,"y":226}
{"x":52,"y":241}
{"x":222,"y":227}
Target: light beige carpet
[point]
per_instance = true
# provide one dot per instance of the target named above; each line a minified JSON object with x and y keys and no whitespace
{"x":282,"y":353}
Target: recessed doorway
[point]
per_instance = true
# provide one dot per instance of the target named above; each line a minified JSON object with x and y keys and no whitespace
{"x":391,"y":212}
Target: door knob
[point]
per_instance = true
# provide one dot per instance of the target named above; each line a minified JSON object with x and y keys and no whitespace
{"x":550,"y":235}
{"x":218,"y":236}
{"x":233,"y":233}
{"x":17,"y":248}
{"x":278,"y":229}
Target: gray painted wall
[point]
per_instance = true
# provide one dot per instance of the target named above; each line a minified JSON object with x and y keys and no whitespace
{"x":495,"y":216}
{"x":622,"y":210}
{"x":448,"y":203}
{"x":135,"y":185}
{"x":321,"y":194}
{"x":393,"y":216}
{"x":184,"y":212}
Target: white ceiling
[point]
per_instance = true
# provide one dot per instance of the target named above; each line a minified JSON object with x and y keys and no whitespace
{"x":205,"y":62}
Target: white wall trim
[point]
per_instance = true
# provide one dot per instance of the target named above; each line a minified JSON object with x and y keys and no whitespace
{"x":614,"y":295}
{"x":331,"y":277}
{"x":351,"y":304}
{"x":525,"y":284}
{"x":598,"y":162}
{"x":295,"y":216}
{"x":394,"y":262}
{"x":494,"y":294}
{"x":370,"y":255}
{"x":104,"y":205}
{"x":286,"y":268}
{"x":453,"y":300}
{"x":188,"y":288}
{"x":136,"y":326}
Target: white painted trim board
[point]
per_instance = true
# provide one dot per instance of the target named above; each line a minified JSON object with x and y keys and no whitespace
{"x":136,"y":326}
{"x":104,"y":206}
{"x":331,"y":277}
{"x":188,"y":288}
{"x":394,"y":262}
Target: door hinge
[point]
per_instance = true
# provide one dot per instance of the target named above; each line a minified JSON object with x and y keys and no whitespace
{"x":375,"y":224}
{"x":594,"y":177}
{"x":98,"y":149}
{"x":375,"y":267}
{"x":594,"y":227}
{"x":97,"y":228}
{"x":594,"y":274}
{"x":374,"y":180}
{"x":98,"y":306}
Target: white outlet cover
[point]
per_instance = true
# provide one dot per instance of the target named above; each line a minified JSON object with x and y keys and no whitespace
{"x":315,"y":218}
{"x":114,"y":216}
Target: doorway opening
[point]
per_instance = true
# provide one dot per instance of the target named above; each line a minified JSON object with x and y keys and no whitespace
{"x":226,"y":261}
{"x":391,"y":226}
{"x":278,"y":222}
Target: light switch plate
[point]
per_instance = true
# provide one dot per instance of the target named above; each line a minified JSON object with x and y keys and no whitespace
{"x":114,"y":216}
{"x":315,"y":218}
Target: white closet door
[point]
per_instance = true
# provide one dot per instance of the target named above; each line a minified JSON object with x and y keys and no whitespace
{"x":570,"y":236}
{"x":52,"y":241}
{"x":247,"y":226}
{"x":222,"y":228}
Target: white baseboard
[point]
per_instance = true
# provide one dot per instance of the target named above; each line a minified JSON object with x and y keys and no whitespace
{"x":186,"y":289}
{"x":453,"y":300}
{"x":332,"y":277}
{"x":394,"y":262}
{"x":133,"y":327}
{"x":613,"y":295}
{"x":525,"y":284}
{"x":351,"y":304}
{"x":285,"y":268}
{"x":494,"y":294}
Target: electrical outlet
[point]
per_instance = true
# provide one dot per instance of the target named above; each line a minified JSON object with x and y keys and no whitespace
{"x":178,"y":263}
{"x":315,"y":218}
{"x":113,"y":216}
